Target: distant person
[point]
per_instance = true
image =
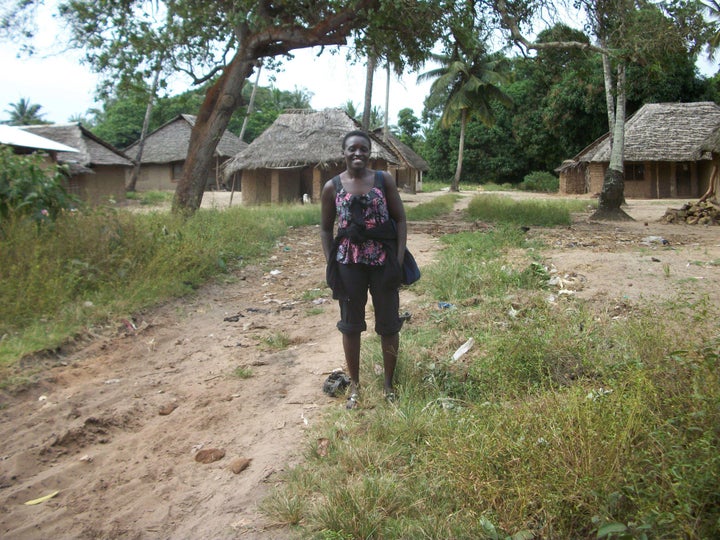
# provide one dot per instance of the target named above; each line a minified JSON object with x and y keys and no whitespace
{"x":367,"y":254}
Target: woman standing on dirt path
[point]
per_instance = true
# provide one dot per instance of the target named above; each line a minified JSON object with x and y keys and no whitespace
{"x":367,"y":254}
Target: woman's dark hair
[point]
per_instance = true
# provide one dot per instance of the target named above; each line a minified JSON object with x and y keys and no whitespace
{"x":357,"y":133}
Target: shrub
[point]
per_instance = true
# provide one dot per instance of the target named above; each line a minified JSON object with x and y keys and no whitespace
{"x":540,"y":181}
{"x":28,"y":187}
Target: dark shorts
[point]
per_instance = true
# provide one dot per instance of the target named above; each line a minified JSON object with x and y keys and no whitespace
{"x":357,"y":280}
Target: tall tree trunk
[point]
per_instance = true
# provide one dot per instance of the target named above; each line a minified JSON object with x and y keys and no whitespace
{"x":458,"y":170}
{"x":387,"y":102}
{"x":612,"y":194}
{"x":221,"y":100}
{"x":608,"y":78}
{"x":367,"y":108}
{"x":143,"y":133}
{"x":252,"y":101}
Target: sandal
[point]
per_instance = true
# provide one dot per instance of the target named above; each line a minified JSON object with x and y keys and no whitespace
{"x":352,"y":402}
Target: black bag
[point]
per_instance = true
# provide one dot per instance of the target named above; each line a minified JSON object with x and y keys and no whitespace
{"x":410,"y":270}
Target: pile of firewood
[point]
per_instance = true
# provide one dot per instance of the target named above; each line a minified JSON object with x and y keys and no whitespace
{"x":698,"y":213}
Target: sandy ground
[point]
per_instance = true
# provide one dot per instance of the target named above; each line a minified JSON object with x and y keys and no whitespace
{"x":118,"y":421}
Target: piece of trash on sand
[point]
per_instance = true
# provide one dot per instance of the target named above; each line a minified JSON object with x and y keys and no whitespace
{"x":465,"y":347}
{"x":654,"y":240}
{"x":167,"y":409}
{"x":445,"y":305}
{"x":239,"y":464}
{"x":42,"y":499}
{"x":209,"y":455}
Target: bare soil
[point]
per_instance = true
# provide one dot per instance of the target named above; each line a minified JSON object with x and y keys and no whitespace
{"x":116,"y":423}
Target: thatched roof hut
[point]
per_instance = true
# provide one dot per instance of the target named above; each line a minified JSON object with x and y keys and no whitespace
{"x":300,"y":151}
{"x":97,"y":169}
{"x":300,"y":138}
{"x":664,"y":152}
{"x":165,"y":151}
{"x":297,"y":154}
{"x":92,"y":150}
{"x":170,"y":142}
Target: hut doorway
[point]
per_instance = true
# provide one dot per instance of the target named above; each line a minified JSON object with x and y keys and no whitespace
{"x":683,"y":180}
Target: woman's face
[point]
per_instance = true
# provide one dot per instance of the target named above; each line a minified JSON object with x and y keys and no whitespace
{"x":356,"y":152}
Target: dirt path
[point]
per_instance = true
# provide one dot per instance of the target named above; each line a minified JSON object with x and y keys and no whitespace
{"x":116,"y":425}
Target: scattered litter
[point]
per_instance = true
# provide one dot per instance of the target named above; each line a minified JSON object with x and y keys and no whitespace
{"x":167,"y":409}
{"x":275,"y":272}
{"x":233,"y":318}
{"x":464,"y":348}
{"x":129,"y":325}
{"x":445,"y":305}
{"x":512,"y":312}
{"x":112,"y":381}
{"x":650,"y":240}
{"x":87,"y":458}
{"x":594,"y":395}
{"x":42,"y":398}
{"x":42,"y":499}
{"x":319,"y":301}
{"x":336,"y":383}
{"x":322,"y":447}
{"x":405,"y":316}
{"x":239,"y":464}
{"x":209,"y":455}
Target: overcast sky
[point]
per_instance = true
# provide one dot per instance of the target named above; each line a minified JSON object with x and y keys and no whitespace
{"x":64,"y":87}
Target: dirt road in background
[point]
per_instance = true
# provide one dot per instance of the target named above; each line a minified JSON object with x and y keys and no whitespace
{"x":117,"y":422}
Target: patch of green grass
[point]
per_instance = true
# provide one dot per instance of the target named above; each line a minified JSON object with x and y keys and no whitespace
{"x":534,"y":212}
{"x":277,"y":341}
{"x":440,"y":205}
{"x":243,"y":372}
{"x":150,"y":198}
{"x":96,"y":266}
{"x":315,"y":293}
{"x":429,"y":186}
{"x":491,"y":186}
{"x":558,"y":423}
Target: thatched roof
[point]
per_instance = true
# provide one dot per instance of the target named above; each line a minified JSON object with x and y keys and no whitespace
{"x":91,"y":150}
{"x":170,"y":142}
{"x":712,"y":142}
{"x":14,"y":136}
{"x":662,"y":132}
{"x":410,"y":158}
{"x":300,"y":138}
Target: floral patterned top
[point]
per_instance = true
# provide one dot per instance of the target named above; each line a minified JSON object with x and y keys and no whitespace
{"x":374,"y":210}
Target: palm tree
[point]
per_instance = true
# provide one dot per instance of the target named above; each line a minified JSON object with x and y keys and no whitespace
{"x":467,"y":82}
{"x":713,"y":10}
{"x":24,"y":113}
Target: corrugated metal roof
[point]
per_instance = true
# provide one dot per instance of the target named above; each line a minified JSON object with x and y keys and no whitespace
{"x":14,"y":136}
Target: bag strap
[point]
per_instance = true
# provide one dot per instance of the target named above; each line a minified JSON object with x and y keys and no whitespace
{"x":380,"y":181}
{"x":337,"y":183}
